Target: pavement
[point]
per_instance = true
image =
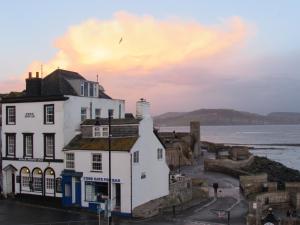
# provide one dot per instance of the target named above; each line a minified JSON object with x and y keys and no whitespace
{"x":204,"y":213}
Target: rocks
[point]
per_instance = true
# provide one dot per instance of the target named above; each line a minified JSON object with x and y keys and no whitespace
{"x":276,"y":171}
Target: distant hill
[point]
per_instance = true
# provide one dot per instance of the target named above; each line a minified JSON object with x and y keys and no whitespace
{"x":225,"y":117}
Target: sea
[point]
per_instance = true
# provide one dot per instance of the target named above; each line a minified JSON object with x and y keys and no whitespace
{"x":280,"y":143}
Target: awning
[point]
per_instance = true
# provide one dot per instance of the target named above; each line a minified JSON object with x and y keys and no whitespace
{"x":71,"y":173}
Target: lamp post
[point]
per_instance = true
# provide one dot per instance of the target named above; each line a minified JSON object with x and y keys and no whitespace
{"x":110,"y":112}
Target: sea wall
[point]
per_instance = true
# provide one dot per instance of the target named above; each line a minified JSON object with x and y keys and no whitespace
{"x":227,"y":166}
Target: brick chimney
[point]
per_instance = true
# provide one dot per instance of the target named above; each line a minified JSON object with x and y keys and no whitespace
{"x":33,"y":85}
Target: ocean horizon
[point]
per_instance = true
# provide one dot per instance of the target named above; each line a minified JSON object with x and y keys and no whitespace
{"x":280,"y":143}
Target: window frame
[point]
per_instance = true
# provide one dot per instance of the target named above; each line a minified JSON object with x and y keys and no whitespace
{"x":7,"y":135}
{"x":70,"y":160}
{"x":46,"y":156}
{"x":46,"y":122}
{"x":8,"y":108}
{"x":160,"y":154}
{"x":99,"y":116}
{"x":101,"y":162}
{"x":82,"y":89}
{"x":25,"y":153}
{"x":136,"y":157}
{"x":101,"y":131}
{"x":86,"y":109}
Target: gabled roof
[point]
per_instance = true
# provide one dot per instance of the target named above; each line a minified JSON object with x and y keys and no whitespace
{"x":104,"y":121}
{"x":101,"y":144}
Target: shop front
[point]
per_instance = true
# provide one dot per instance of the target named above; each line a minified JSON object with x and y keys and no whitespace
{"x":96,"y":192}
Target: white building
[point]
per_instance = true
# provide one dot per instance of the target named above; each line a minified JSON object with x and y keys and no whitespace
{"x":53,"y":145}
{"x":39,"y":123}
{"x":139,"y":169}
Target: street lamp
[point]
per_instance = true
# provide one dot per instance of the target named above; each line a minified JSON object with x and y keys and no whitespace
{"x":110,"y":112}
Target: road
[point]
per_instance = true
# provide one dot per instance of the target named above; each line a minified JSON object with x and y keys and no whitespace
{"x":229,"y":198}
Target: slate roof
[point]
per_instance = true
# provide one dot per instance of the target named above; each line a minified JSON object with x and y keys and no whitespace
{"x":104,"y":121}
{"x":101,"y":144}
{"x":56,"y":83}
{"x":54,"y":87}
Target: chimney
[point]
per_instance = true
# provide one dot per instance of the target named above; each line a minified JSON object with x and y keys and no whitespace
{"x":33,"y":85}
{"x":37,"y":75}
{"x":142,"y":109}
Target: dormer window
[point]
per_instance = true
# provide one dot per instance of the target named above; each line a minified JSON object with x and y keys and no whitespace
{"x":100,"y":131}
{"x":89,"y":89}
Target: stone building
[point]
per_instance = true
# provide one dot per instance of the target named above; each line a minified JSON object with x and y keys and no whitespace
{"x":182,"y":147}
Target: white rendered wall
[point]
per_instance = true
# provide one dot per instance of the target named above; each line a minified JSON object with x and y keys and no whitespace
{"x":73,"y":112}
{"x":156,"y":183}
{"x":120,"y":165}
{"x":37,"y":127}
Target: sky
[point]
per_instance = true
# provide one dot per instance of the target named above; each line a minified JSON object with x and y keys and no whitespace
{"x":179,"y":55}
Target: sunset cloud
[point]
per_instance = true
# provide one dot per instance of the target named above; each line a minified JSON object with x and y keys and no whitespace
{"x":142,"y":56}
{"x":138,"y":44}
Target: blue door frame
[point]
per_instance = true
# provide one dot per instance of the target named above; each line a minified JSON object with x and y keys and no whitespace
{"x":67,"y":190}
{"x":78,"y":192}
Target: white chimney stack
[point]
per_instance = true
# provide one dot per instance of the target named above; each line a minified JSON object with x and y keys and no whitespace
{"x":142,"y":109}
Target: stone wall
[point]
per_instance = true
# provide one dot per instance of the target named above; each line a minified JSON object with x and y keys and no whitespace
{"x":239,"y":153}
{"x":227,"y":166}
{"x":176,"y":158}
{"x":209,"y":164}
{"x":253,"y":184}
{"x":180,"y":193}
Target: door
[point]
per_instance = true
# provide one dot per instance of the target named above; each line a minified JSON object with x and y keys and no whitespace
{"x":13,"y":182}
{"x":77,"y":192}
{"x":118,"y":196}
{"x":9,"y":181}
{"x":67,"y":190}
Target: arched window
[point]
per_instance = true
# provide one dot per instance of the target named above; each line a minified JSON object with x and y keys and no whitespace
{"x":49,"y":176}
{"x":37,"y":180}
{"x":25,"y":179}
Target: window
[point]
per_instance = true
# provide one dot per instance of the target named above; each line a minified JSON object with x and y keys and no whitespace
{"x":100,"y":131}
{"x":82,"y":89}
{"x":95,"y":189}
{"x":28,"y":145}
{"x":159,"y":153}
{"x":83,"y":114}
{"x":10,"y":144}
{"x":70,"y":161}
{"x":96,"y":162}
{"x":97,"y":131}
{"x":111,"y":112}
{"x":97,"y":113}
{"x":86,"y":89}
{"x":58,"y":185}
{"x":25,"y":181}
{"x":37,"y":183}
{"x":50,"y":183}
{"x":49,"y":114}
{"x":105,"y":131}
{"x":95,"y":90}
{"x":91,"y":86}
{"x":10,"y":115}
{"x":49,"y":145}
{"x":136,"y":157}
